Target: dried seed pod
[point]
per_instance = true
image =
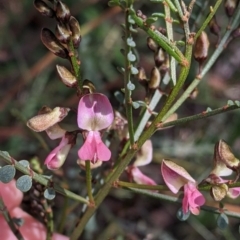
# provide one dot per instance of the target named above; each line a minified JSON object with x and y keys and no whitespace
{"x":201,"y":48}
{"x":159,"y":57}
{"x":214,"y":27}
{"x":152,"y":45}
{"x":66,"y":76}
{"x":155,"y":79}
{"x":51,"y":42}
{"x":62,"y":32}
{"x":76,"y":31}
{"x":43,"y":8}
{"x":230,"y":7}
{"x":62,"y":11}
{"x":218,"y":192}
{"x":43,"y":121}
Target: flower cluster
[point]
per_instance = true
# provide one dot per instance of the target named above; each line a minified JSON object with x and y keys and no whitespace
{"x":31,"y":228}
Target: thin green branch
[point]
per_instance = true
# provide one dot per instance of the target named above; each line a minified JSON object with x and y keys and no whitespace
{"x":40,"y":179}
{"x":127,"y":78}
{"x":89,"y":182}
{"x":50,"y":225}
{"x":141,"y":186}
{"x":7,"y":217}
{"x":161,"y":40}
{"x":208,"y":19}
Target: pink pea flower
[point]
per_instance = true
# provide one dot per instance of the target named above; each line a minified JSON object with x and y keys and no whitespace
{"x":176,"y":177}
{"x":31,"y":229}
{"x":95,"y":113}
{"x":143,"y":157}
{"x":58,"y":155}
{"x":12,"y":197}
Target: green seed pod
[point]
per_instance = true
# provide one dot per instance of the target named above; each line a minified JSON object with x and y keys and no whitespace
{"x":76,"y":31}
{"x":201,"y":48}
{"x":155,"y":79}
{"x":51,"y":42}
{"x":214,"y":27}
{"x":43,"y":8}
{"x":230,"y":7}
{"x":152,"y":45}
{"x":62,"y":33}
{"x":66,"y":76}
{"x":159,"y":57}
{"x":62,"y":11}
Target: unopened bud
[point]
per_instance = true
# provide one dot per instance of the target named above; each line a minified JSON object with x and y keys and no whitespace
{"x":46,"y":120}
{"x":88,"y":85}
{"x":201,"y":48}
{"x":152,"y":45}
{"x":230,"y":7}
{"x":159,"y":57}
{"x":219,"y":192}
{"x":43,"y":8}
{"x":214,"y":27}
{"x":236,"y":32}
{"x":52,"y":43}
{"x":62,"y":32}
{"x":76,"y":31}
{"x":62,"y":11}
{"x":155,"y":79}
{"x":141,"y":74}
{"x":66,"y":76}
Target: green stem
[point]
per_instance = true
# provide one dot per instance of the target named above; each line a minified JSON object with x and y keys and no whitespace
{"x":127,"y":80}
{"x":141,"y":186}
{"x":206,"y":68}
{"x":161,"y":40}
{"x":7,"y":217}
{"x":49,"y":213}
{"x":40,"y":179}
{"x":89,"y":182}
{"x":208,"y":19}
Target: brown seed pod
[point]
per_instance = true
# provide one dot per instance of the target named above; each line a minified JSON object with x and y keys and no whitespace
{"x":52,"y":43}
{"x":219,"y":192}
{"x":43,"y":8}
{"x":66,"y":76}
{"x":214,"y":27}
{"x":201,"y":48}
{"x":230,"y":7}
{"x":159,"y":57}
{"x":62,"y":33}
{"x":62,"y":11}
{"x":76,"y":31}
{"x":155,"y":79}
{"x":152,"y":45}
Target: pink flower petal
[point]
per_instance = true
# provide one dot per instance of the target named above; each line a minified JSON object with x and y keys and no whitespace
{"x":144,"y":156}
{"x":234,"y":192}
{"x":57,"y":156}
{"x":94,"y":112}
{"x":141,"y":178}
{"x":174,"y":175}
{"x":192,"y":199}
{"x":12,"y":197}
{"x":94,"y":149}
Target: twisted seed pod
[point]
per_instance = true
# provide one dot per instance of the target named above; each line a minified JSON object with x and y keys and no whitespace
{"x":43,"y":8}
{"x":52,"y":43}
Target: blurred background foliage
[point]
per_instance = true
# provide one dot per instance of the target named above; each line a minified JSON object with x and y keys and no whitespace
{"x":28,"y":80}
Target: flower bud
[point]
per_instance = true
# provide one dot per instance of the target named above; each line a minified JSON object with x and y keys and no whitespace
{"x":201,"y":48}
{"x":66,"y":76}
{"x":152,"y":45}
{"x":218,"y":192}
{"x":155,"y":79}
{"x":230,"y":7}
{"x":159,"y":57}
{"x":235,"y":33}
{"x":51,"y":42}
{"x":62,"y":32}
{"x":43,"y":121}
{"x":62,"y":11}
{"x":43,"y":8}
{"x":88,"y":85}
{"x":76,"y":31}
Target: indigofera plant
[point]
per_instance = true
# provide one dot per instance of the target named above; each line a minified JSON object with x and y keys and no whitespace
{"x":116,"y":138}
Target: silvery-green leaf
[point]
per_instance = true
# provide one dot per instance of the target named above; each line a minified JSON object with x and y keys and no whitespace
{"x":24,"y":183}
{"x":7,"y":173}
